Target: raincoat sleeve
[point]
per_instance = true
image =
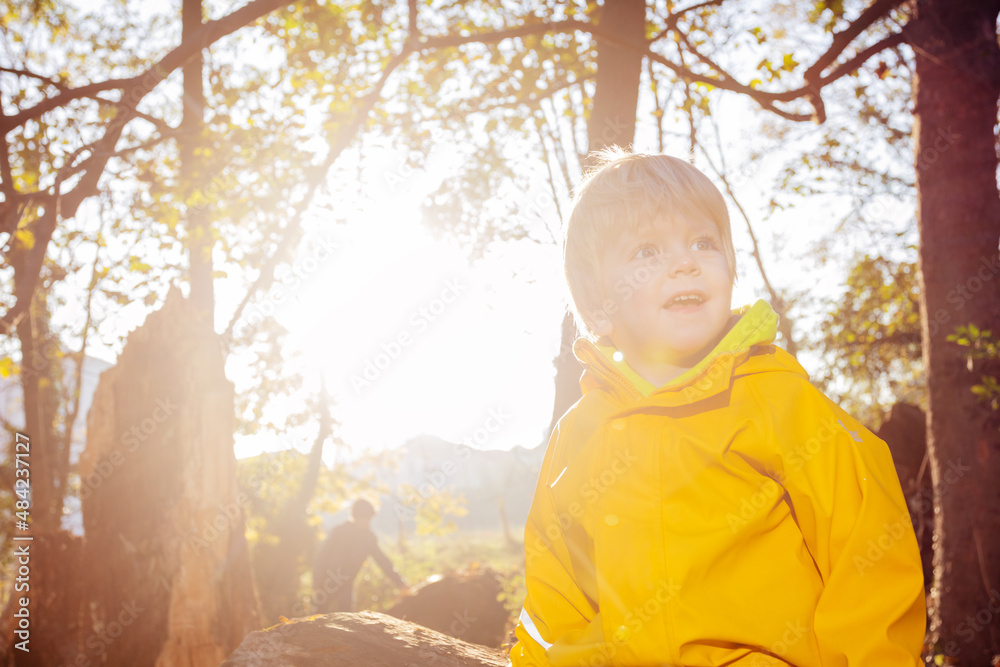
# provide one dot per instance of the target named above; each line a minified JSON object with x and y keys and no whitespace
{"x":558,"y":625}
{"x":847,"y":501}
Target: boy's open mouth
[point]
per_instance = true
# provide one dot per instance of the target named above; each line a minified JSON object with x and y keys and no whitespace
{"x":688,"y":299}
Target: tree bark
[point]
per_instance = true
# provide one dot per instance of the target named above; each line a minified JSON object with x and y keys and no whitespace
{"x":957,"y":84}
{"x":612,"y":120}
{"x":165,"y":557}
{"x":611,"y":123}
{"x":54,"y":586}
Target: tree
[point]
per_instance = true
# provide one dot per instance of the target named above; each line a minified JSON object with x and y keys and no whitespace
{"x":871,"y":340}
{"x":957,"y":85}
{"x":71,"y":130}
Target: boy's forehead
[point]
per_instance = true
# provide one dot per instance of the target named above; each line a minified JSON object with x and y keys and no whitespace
{"x":663,"y":222}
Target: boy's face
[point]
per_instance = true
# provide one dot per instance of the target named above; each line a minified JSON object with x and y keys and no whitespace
{"x":667,"y":294}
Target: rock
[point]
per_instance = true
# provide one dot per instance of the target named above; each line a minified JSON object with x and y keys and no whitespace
{"x":462,"y":604}
{"x":363,"y":639}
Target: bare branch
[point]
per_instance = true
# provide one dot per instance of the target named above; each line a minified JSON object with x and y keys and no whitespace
{"x":135,"y":88}
{"x":764,"y":99}
{"x":55,"y":83}
{"x":890,"y":42}
{"x":68,"y":171}
{"x":64,"y":206}
{"x":6,"y":175}
{"x":531,"y":98}
{"x":68,"y":95}
{"x":541,"y":133}
{"x":494,"y":36}
{"x":842,"y":39}
{"x":163,"y":126}
{"x":79,"y":357}
{"x":672,"y":19}
{"x":317,"y":177}
{"x":785,"y":324}
{"x":133,"y":91}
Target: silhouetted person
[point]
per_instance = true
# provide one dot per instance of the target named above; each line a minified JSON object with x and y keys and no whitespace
{"x":340,"y":559}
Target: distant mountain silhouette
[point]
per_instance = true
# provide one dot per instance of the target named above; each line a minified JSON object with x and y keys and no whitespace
{"x":483,"y":477}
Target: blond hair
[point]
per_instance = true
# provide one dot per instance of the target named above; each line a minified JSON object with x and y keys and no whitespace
{"x":625,"y":190}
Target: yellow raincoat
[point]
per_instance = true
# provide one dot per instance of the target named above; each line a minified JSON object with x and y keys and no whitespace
{"x":734,"y":516}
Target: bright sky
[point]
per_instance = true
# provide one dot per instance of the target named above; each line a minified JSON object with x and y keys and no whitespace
{"x":413,"y":339}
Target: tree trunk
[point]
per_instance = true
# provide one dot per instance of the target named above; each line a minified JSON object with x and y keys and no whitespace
{"x":53,"y":585}
{"x":957,"y":84}
{"x":568,"y":371}
{"x":277,"y":563}
{"x":165,"y":562}
{"x":612,"y":123}
{"x":199,"y":240}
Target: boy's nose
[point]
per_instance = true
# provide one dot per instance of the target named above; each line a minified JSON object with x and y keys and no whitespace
{"x":681,"y":263}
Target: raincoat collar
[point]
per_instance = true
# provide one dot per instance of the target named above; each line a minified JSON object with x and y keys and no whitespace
{"x":749,"y":326}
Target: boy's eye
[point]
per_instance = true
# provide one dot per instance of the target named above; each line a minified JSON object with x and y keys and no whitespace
{"x":705,"y":243}
{"x":644,"y":252}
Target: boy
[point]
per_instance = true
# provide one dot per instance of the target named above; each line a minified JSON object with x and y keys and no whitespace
{"x":703,"y":504}
{"x":341,"y":556}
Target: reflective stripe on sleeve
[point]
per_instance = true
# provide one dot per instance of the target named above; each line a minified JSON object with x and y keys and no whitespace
{"x":529,"y":627}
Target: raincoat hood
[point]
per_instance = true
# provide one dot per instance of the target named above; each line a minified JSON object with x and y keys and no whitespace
{"x":752,"y":331}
